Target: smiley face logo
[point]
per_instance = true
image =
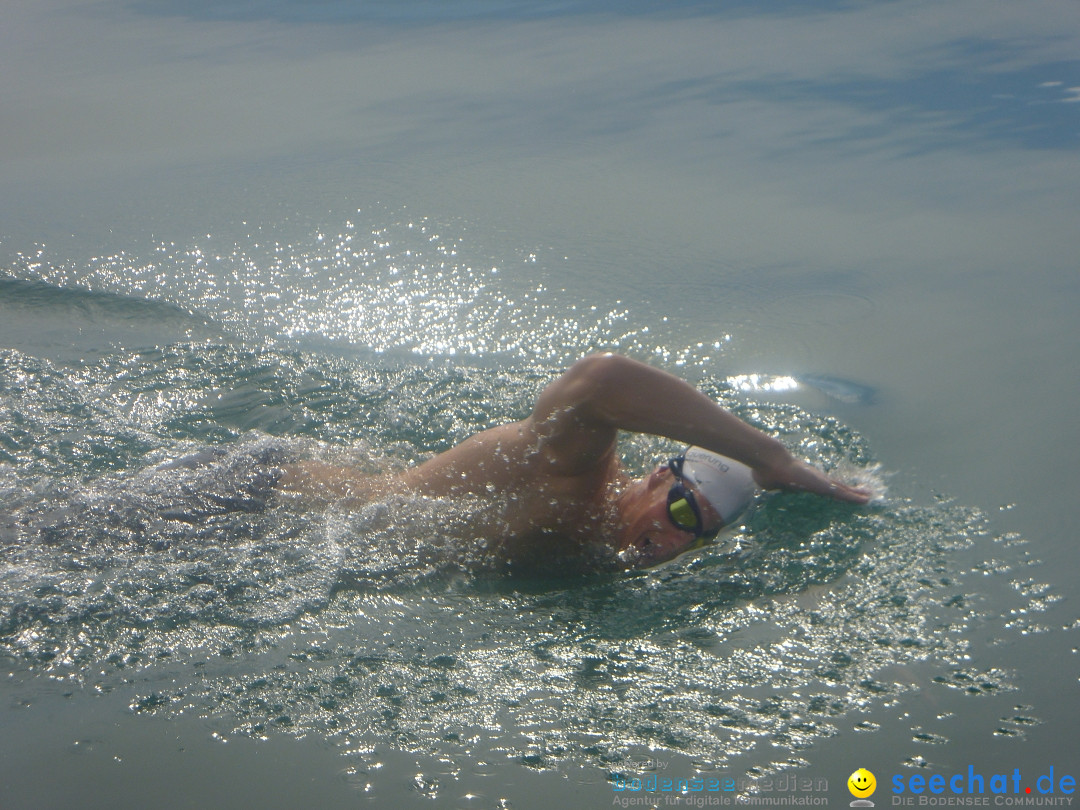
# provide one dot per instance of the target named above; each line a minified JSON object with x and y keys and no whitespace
{"x":862,"y":784}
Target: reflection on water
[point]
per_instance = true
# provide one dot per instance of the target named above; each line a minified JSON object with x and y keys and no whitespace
{"x":399,"y":288}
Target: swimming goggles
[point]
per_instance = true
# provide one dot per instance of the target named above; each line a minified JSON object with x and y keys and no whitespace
{"x":682,"y":506}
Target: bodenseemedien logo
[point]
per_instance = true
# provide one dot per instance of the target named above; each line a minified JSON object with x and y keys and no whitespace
{"x":862,"y":785}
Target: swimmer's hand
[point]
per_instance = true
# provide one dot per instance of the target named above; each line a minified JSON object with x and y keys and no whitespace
{"x":798,"y":476}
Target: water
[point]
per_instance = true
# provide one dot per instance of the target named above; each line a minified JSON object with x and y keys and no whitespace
{"x":364,"y":231}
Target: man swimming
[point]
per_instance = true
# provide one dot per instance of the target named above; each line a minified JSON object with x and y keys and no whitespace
{"x":557,"y":479}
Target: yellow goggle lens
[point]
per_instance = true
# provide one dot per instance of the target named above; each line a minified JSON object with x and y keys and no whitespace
{"x":683,"y":515}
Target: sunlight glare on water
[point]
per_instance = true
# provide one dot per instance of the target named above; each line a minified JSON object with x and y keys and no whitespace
{"x":394,"y":287}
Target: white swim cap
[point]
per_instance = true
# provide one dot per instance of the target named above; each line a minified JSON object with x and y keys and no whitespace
{"x":726,"y":484}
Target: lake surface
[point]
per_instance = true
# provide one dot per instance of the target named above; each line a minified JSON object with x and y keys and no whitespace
{"x":364,"y":230}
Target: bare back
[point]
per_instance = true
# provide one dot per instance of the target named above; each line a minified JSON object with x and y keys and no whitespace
{"x":540,"y":500}
{"x":539,"y":509}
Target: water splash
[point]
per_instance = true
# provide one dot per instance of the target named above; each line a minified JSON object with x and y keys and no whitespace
{"x":400,"y":286}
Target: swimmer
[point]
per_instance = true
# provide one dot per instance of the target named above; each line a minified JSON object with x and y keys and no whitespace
{"x":557,"y":475}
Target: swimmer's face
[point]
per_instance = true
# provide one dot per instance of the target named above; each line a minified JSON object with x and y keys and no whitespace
{"x":647,"y":536}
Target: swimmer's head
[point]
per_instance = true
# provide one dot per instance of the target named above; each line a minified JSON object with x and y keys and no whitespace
{"x":724,"y":484}
{"x":681,"y":505}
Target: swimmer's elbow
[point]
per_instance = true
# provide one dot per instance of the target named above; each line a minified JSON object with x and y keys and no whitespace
{"x":591,"y":379}
{"x":598,"y":373}
{"x":610,"y":378}
{"x":591,"y":387}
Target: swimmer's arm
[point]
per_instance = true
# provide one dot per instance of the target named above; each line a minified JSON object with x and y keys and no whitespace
{"x":316,"y":482}
{"x":604,"y":393}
